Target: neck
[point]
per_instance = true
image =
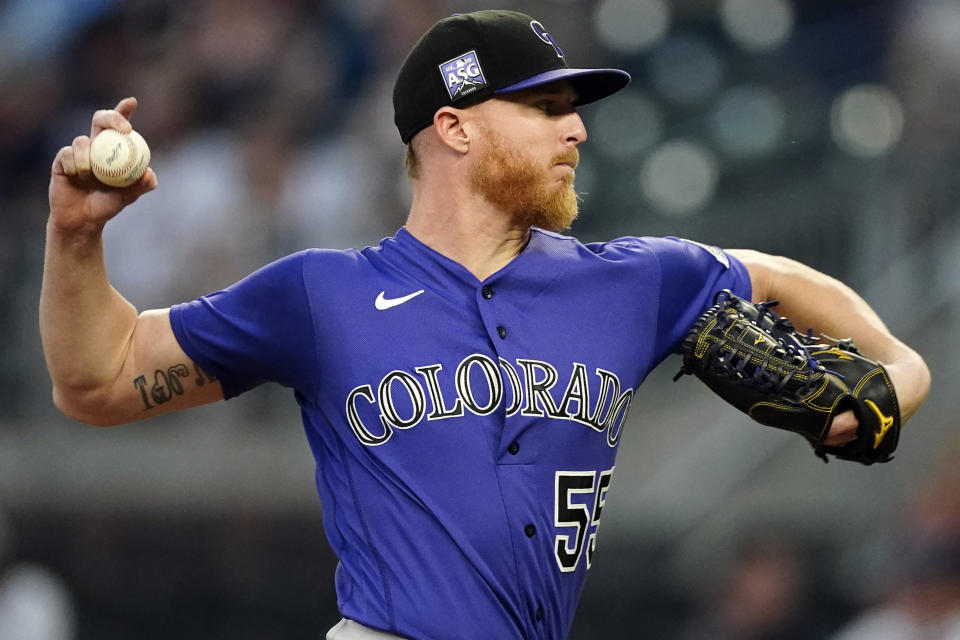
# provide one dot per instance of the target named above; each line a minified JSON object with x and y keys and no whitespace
{"x":468,"y":230}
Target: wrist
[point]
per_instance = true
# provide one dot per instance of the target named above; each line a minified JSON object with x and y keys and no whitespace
{"x":911,"y":382}
{"x":78,"y":236}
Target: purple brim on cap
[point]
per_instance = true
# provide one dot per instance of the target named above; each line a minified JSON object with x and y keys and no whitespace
{"x":590,"y":84}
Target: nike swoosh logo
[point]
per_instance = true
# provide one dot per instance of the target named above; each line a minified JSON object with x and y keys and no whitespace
{"x":382,"y":303}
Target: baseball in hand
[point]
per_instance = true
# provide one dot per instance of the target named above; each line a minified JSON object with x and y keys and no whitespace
{"x":119,"y":159}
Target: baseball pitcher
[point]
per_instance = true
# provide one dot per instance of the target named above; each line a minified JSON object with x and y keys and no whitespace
{"x":465,"y":384}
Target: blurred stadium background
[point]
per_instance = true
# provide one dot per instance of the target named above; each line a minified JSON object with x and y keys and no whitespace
{"x":824,"y":130}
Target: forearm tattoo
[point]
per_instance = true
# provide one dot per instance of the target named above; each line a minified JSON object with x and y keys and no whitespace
{"x":168,"y":383}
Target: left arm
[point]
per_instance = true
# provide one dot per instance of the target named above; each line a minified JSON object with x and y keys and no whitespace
{"x":813,"y":299}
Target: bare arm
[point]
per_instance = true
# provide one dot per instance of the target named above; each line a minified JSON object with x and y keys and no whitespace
{"x":815,"y":300}
{"x":103,"y":357}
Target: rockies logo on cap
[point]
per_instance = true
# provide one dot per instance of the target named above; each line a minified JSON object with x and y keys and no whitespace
{"x":541,"y":32}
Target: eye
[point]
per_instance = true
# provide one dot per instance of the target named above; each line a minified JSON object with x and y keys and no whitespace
{"x":553,"y":106}
{"x":548,"y":106}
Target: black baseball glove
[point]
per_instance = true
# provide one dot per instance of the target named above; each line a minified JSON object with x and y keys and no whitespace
{"x":756,"y":361}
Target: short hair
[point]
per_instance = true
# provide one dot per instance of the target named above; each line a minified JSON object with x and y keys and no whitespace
{"x":411,"y":162}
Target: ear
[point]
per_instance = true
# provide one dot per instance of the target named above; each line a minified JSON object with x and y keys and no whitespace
{"x":448,"y":123}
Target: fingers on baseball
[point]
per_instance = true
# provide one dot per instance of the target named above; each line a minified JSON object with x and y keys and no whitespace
{"x":126,"y":106}
{"x":63,"y":162}
{"x":147,"y":182}
{"x":81,"y":156}
{"x":110,"y":119}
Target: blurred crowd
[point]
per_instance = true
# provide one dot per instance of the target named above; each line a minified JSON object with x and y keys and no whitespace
{"x":905,"y":579}
{"x":270,"y":124}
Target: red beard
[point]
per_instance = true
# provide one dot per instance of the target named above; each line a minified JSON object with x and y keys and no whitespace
{"x":513,"y":182}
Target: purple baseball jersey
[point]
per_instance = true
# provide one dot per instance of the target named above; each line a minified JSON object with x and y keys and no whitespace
{"x":464,"y":431}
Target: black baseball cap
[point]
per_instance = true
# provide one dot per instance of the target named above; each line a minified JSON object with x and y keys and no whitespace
{"x":469,"y":57}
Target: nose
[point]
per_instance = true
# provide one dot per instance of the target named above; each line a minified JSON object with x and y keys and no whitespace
{"x":575,"y":133}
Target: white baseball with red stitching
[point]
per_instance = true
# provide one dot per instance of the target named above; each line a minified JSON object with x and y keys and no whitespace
{"x":119,"y":159}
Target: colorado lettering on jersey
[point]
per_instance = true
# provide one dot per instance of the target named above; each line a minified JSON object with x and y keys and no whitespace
{"x":481,"y":388}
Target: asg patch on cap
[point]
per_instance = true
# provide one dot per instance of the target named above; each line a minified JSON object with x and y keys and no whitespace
{"x":462,"y":75}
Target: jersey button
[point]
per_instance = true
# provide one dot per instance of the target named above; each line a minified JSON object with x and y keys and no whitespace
{"x":514,"y":448}
{"x":530,"y":530}
{"x":501,"y":332}
{"x":539,"y":613}
{"x":486,"y":292}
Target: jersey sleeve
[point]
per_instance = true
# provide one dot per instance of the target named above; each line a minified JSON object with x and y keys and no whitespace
{"x":257,"y":330}
{"x":691,"y":274}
